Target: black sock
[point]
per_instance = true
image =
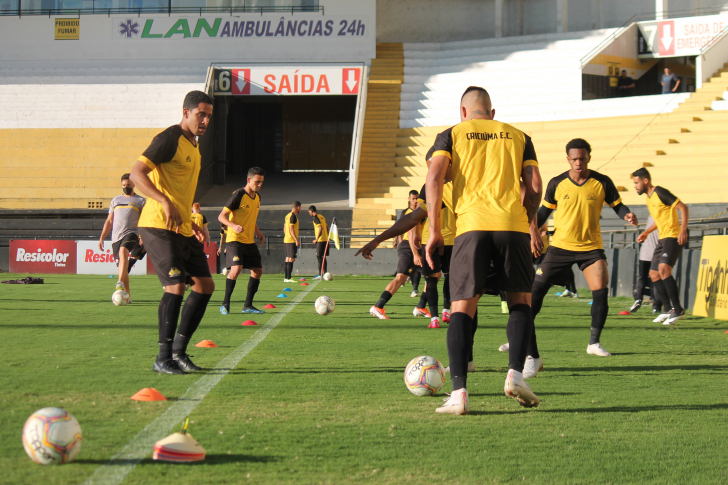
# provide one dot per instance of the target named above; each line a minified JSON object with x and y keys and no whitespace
{"x":474,"y":328}
{"x":459,"y":347}
{"x":132,"y":261}
{"x":432,"y":295}
{"x":661,"y":293}
{"x":571,"y":281}
{"x":192,"y":314}
{"x":423,"y":299}
{"x":519,"y":330}
{"x":320,"y":261}
{"x":532,"y":345}
{"x":168,"y":314}
{"x":502,"y":295}
{"x":386,"y":296}
{"x":416,"y":281}
{"x":538,"y":292}
{"x":673,"y":293}
{"x":326,"y":265}
{"x":446,"y":292}
{"x":253,"y":284}
{"x":229,"y":287}
{"x":287,"y":270}
{"x":290,"y":270}
{"x":599,"y":311}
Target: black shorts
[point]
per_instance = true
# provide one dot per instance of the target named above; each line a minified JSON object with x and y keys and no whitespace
{"x":472,"y":255}
{"x":666,"y":252}
{"x":321,"y":249}
{"x":131,"y":243}
{"x":175,"y":257}
{"x":556,"y":264}
{"x":425,"y":269}
{"x":291,"y":250}
{"x":405,"y":260}
{"x":245,"y":255}
{"x":445,"y":259}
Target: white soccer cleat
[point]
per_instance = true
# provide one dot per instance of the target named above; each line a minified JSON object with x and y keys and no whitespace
{"x":635,"y":306}
{"x":565,"y":293}
{"x":421,"y":312}
{"x":516,"y":388}
{"x":597,"y":349}
{"x":504,"y":348}
{"x":532,"y":367}
{"x":457,"y":404}
{"x":471,"y":367}
{"x":378,"y":312}
{"x":662,"y":317}
{"x":504,"y":307}
{"x":674,"y":317}
{"x":119,"y":285}
{"x":414,"y":294}
{"x":288,"y":280}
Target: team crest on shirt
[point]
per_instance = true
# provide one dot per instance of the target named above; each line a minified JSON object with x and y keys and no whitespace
{"x":236,"y":258}
{"x":566,"y":196}
{"x":174,"y":272}
{"x":539,"y":271}
{"x":591,"y":196}
{"x":188,"y":159}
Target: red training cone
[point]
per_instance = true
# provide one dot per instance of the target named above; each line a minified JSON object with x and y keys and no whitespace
{"x":206,"y":343}
{"x":269,"y":305}
{"x":148,"y":394}
{"x":304,"y":284}
{"x":248,"y":323}
{"x":625,"y":312}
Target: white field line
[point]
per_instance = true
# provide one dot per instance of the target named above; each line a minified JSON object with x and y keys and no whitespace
{"x":121,"y":464}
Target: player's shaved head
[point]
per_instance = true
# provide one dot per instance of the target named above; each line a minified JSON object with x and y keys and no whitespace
{"x":475,"y":103}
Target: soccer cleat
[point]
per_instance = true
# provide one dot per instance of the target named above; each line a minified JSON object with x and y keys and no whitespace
{"x":167,"y":367}
{"x":635,"y":306}
{"x":251,"y":309}
{"x":516,"y":388}
{"x":656,"y":310}
{"x":379,"y":313}
{"x":414,"y":294}
{"x":317,"y":276}
{"x":434,"y":323}
{"x":565,"y":293}
{"x":183,"y":362}
{"x":225,"y":310}
{"x":532,"y":367}
{"x":663,"y":316}
{"x":504,"y":307}
{"x":421,"y":312}
{"x":457,"y":404}
{"x":128,"y":301}
{"x":504,"y":348}
{"x":446,"y":316}
{"x":674,"y":317}
{"x":471,"y":367}
{"x":288,"y":280}
{"x":597,"y":349}
{"x":119,"y":285}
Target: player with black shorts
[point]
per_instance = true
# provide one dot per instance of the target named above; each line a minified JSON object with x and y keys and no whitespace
{"x":321,"y":235}
{"x":404,"y":251}
{"x":240,"y":215}
{"x":123,"y":220}
{"x":663,"y":207}
{"x":577,"y":195}
{"x":291,"y":242}
{"x":487,"y":160}
{"x":167,"y":173}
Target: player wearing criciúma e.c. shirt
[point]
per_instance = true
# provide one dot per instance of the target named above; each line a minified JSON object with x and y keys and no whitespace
{"x":664,"y":208}
{"x":167,"y":173}
{"x":291,"y":242}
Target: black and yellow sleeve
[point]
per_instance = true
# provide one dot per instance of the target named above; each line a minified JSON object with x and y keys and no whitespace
{"x":162,"y":148}
{"x":666,"y":197}
{"x":443,"y":145}
{"x":549,"y":197}
{"x":529,"y":153}
{"x":233,"y":203}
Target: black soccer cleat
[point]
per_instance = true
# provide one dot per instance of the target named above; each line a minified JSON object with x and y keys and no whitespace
{"x":167,"y":367}
{"x":183,"y":362}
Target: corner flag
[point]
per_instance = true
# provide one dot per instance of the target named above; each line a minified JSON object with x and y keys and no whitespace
{"x":334,"y":233}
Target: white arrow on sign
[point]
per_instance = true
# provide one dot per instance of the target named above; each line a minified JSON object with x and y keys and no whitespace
{"x":351,"y":80}
{"x":666,"y":37}
{"x":241,"y":83}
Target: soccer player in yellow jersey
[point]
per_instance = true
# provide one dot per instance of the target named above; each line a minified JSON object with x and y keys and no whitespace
{"x":321,"y":235}
{"x":577,"y":195}
{"x":291,"y":242}
{"x":404,"y":252}
{"x":240,"y":215}
{"x":201,"y":221}
{"x":487,"y":160}
{"x":663,"y":207}
{"x":167,"y":173}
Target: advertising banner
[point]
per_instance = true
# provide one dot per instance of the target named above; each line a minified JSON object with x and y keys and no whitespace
{"x":284,"y":80}
{"x":711,"y":297}
{"x":89,"y":260}
{"x":40,"y":256}
{"x":678,"y":37}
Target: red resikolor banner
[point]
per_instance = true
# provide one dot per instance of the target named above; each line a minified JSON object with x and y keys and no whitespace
{"x":42,"y":256}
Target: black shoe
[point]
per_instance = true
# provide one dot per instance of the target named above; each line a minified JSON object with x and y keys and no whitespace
{"x":184,"y":362}
{"x":636,"y":306}
{"x":167,"y":367}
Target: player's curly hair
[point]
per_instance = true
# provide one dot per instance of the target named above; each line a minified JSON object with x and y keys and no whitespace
{"x":578,"y":143}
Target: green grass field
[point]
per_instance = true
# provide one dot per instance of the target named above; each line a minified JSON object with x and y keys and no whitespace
{"x":321,"y":398}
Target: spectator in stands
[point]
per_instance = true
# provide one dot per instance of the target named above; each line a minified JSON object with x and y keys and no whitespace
{"x":668,"y":79}
{"x":625,"y":85}
{"x":646,"y":252}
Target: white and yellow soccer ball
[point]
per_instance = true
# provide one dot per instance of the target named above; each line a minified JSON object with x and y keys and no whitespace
{"x":52,"y":436}
{"x":424,"y":376}
{"x":328,"y":277}
{"x":120,"y":298}
{"x":324,"y":305}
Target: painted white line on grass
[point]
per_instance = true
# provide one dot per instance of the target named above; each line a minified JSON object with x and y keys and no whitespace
{"x":141,"y":446}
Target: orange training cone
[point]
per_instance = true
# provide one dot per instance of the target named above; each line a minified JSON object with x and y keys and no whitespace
{"x":149,"y":394}
{"x":269,"y":305}
{"x":248,"y":323}
{"x":206,"y":343}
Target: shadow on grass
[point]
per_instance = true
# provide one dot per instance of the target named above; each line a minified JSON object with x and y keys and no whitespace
{"x":641,"y":368}
{"x":214,"y":459}
{"x":305,"y":371}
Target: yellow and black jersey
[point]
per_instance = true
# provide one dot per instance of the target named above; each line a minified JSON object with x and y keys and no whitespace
{"x":199,"y":219}
{"x":487,"y":159}
{"x":447,"y":218}
{"x":662,"y":205}
{"x":319,"y":220}
{"x":405,"y":236}
{"x":243,"y":212}
{"x":291,"y":220}
{"x":576,"y":222}
{"x":175,"y":164}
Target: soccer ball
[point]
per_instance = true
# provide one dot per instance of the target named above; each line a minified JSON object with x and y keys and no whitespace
{"x":328,"y":277}
{"x":424,"y":376}
{"x":51,"y":436}
{"x":324,"y":305}
{"x":120,"y":298}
